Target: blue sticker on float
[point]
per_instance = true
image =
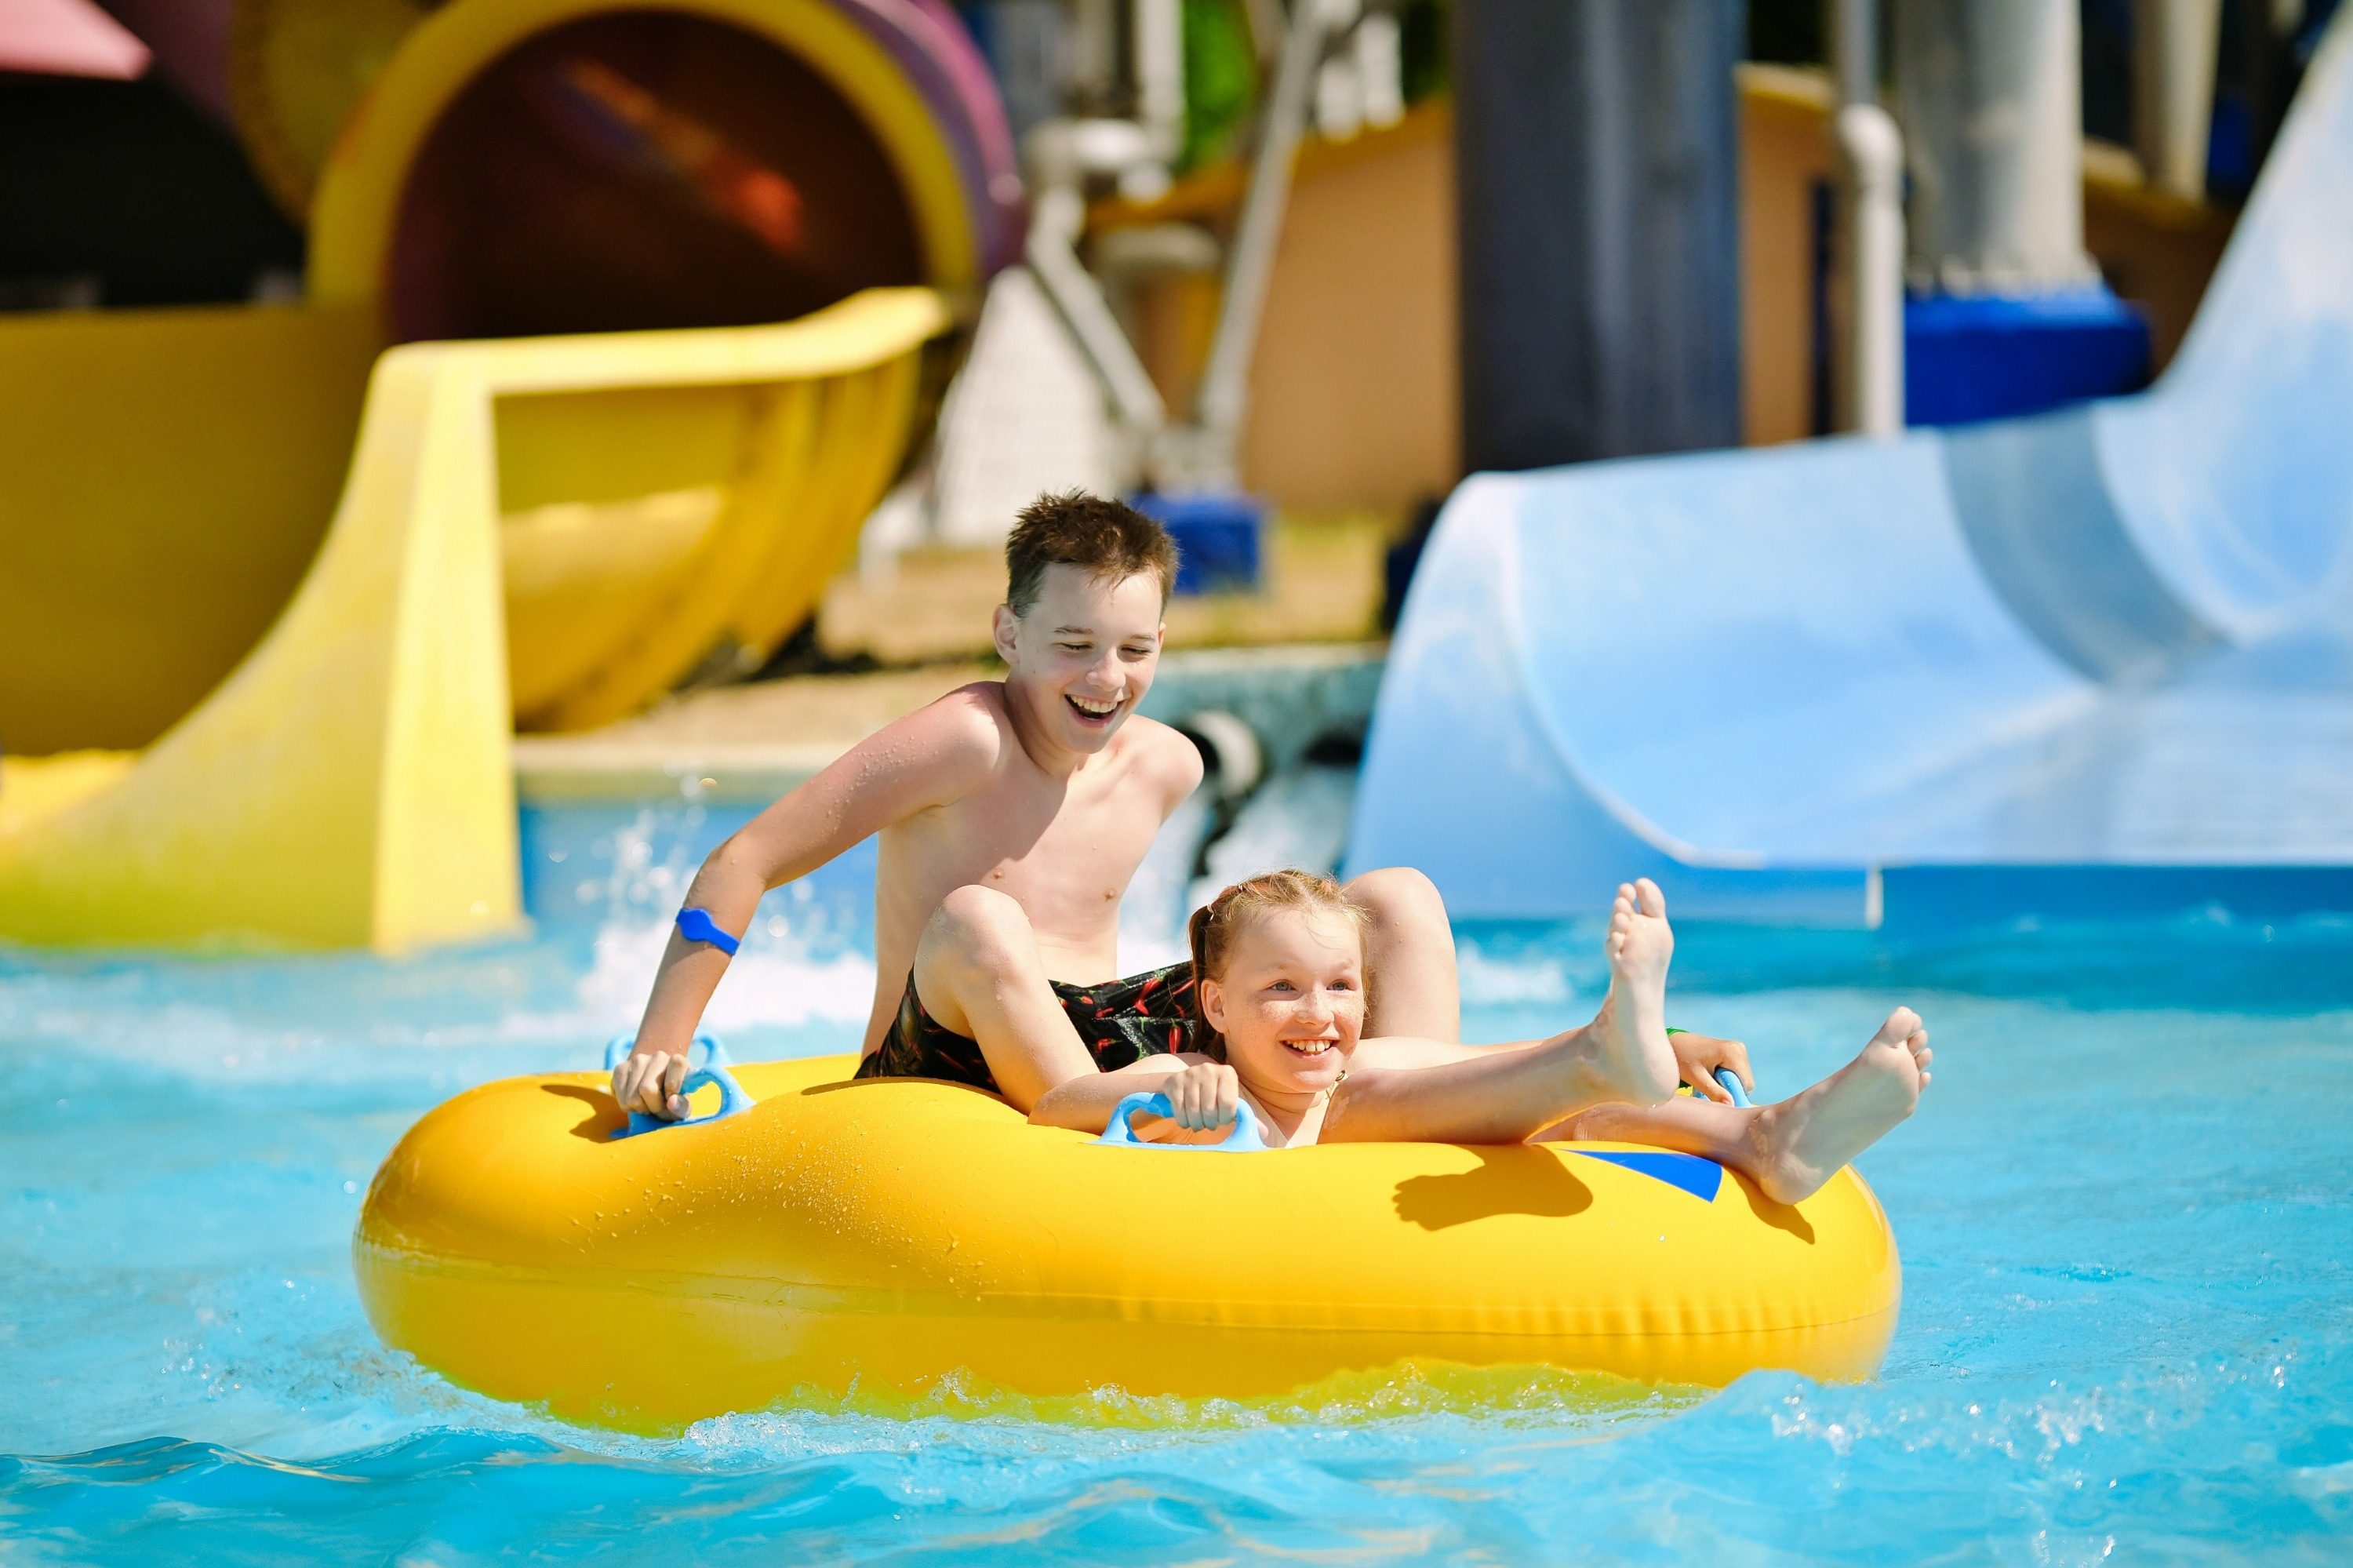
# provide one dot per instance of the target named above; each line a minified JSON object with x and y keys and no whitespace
{"x":1698,"y":1176}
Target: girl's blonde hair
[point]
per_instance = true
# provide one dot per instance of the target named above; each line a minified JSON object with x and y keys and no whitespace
{"x":1214,"y":926}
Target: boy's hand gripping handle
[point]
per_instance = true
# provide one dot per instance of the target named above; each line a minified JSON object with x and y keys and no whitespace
{"x":733,"y":1100}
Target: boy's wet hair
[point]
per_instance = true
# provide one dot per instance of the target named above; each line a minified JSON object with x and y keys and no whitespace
{"x":1107,"y":539}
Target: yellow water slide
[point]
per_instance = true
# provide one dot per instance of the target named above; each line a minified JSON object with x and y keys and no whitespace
{"x":236,"y":705}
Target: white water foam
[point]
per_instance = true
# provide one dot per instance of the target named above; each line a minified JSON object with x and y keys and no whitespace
{"x":774,"y":980}
{"x":1296,"y":820}
{"x":1511,"y":982}
{"x":1152,"y":916}
{"x":804,"y":961}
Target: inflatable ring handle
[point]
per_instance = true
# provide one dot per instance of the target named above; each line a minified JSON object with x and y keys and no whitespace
{"x":714,"y":1055}
{"x":1243,"y":1139}
{"x":732,"y":1101}
{"x":716,"y":1063}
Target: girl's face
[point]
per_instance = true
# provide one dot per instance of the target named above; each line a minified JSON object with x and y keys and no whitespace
{"x":1292,"y":1002}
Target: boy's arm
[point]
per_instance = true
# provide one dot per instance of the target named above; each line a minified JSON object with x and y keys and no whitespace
{"x":928,"y":758}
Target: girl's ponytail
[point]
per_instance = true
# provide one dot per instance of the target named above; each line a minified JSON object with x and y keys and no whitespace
{"x":1206,"y":1040}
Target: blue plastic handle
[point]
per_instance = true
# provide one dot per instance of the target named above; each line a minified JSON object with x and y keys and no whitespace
{"x":714,"y":1055}
{"x":733,"y":1100}
{"x":1243,"y":1139}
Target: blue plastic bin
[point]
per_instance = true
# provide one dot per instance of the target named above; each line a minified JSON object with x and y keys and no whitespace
{"x":1217,"y":538}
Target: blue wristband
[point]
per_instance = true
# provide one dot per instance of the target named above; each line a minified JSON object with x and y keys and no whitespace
{"x":697,"y":926}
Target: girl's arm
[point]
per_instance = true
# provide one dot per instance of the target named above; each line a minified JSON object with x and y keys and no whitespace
{"x":1085,"y":1104}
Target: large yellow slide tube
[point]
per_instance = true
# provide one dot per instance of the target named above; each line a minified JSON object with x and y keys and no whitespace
{"x":165,"y":478}
{"x":349,"y":782}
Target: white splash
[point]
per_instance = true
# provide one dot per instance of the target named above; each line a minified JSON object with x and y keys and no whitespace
{"x":1152,"y":916}
{"x":772,"y":982}
{"x":1506,"y":982}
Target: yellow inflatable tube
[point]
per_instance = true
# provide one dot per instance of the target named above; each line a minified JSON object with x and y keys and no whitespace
{"x":891,"y":1233}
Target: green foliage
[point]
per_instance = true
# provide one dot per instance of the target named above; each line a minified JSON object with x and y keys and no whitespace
{"x":1220,"y":78}
{"x":1787,"y":32}
{"x":1422,"y":27}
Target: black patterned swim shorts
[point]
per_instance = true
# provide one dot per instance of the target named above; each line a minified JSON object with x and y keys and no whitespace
{"x":1142,"y":1015}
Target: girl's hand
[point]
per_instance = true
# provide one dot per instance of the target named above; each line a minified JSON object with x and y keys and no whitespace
{"x":1697,"y":1056}
{"x":1202,"y":1097}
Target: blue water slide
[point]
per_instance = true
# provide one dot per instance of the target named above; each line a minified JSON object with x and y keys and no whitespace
{"x":2091,"y":661}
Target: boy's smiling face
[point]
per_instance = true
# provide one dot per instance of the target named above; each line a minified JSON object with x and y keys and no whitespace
{"x":1078,"y":663}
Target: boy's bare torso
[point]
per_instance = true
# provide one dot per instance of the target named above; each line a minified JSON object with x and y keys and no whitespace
{"x":1064,"y":847}
{"x":1046,"y":787}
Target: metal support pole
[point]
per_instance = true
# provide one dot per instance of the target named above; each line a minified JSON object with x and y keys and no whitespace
{"x":1994,"y":130}
{"x":1058,"y":216}
{"x":2174,"y":43}
{"x":1873,"y":154}
{"x":1854,"y":49}
{"x":1869,"y":374}
{"x":1214,"y":462}
{"x":1159,"y":33}
{"x":1597,"y":152}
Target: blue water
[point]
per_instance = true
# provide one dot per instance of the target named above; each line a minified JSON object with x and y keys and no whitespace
{"x":2127,"y":1332}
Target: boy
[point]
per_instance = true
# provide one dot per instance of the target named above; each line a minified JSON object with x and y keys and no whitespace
{"x":1012,"y":815}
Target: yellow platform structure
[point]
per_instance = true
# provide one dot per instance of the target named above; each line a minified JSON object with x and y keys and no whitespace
{"x":546,"y":518}
{"x":165,"y":478}
{"x":349,"y":782}
{"x":645,"y":528}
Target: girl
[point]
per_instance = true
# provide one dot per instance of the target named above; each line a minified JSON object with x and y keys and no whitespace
{"x":1279,"y":970}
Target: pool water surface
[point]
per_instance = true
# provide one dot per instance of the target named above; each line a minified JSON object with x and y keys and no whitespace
{"x":2127,"y":1335}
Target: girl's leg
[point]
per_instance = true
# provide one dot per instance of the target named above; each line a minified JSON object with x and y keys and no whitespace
{"x":1506,"y":1094}
{"x":1791,"y":1147}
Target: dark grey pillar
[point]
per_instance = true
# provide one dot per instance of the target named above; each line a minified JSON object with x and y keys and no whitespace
{"x":1598,"y":169}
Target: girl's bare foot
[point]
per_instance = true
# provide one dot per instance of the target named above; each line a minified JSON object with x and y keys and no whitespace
{"x":1630,"y":1030}
{"x":1799,"y":1143}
